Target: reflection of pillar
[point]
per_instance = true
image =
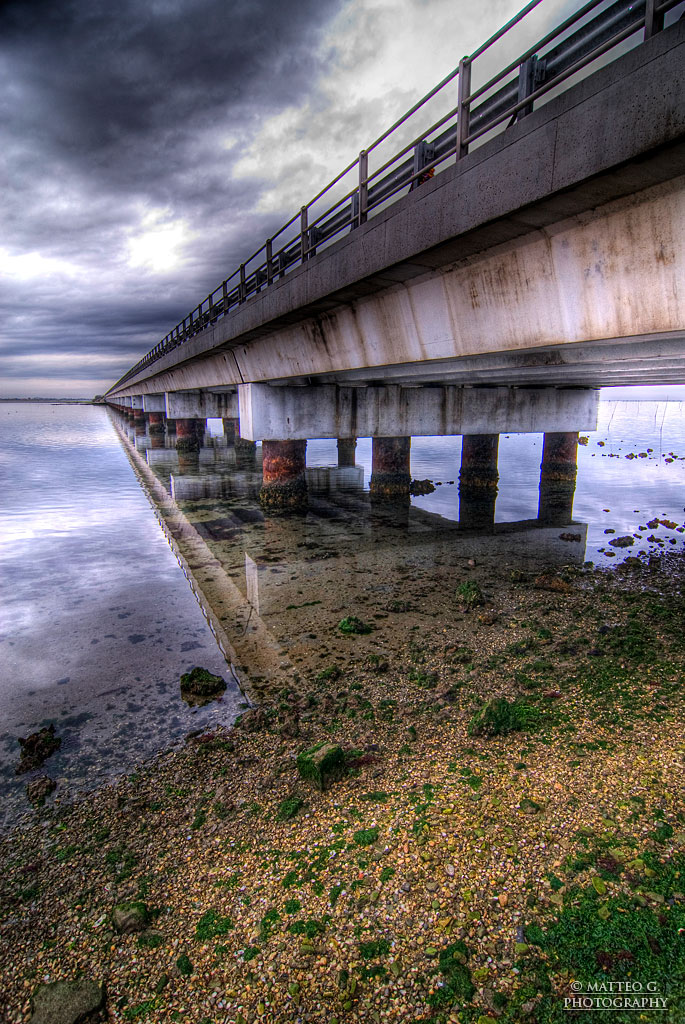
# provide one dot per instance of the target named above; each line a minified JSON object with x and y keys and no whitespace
{"x":346,"y":451}
{"x":170,"y":426}
{"x":390,"y":475}
{"x":283,"y":475}
{"x":231,"y":429}
{"x":478,"y":480}
{"x":558,"y":478}
{"x":245,"y":453}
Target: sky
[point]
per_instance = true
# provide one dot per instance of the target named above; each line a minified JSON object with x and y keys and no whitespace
{"x":147,"y":147}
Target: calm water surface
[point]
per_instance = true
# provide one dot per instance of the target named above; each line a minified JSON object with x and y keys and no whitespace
{"x":98,"y":621}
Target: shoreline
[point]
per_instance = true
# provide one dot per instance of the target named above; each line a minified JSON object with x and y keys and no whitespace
{"x":449,"y":876}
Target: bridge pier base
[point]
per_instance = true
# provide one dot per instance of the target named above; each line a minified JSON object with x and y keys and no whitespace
{"x":478,"y":479}
{"x":346,"y":451}
{"x":558,"y":472}
{"x":156,"y":429}
{"x":188,"y":442}
{"x":390,"y":473}
{"x":284,"y":484}
{"x":231,"y":429}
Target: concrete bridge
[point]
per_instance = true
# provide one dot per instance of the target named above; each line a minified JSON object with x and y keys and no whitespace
{"x":545,"y":255}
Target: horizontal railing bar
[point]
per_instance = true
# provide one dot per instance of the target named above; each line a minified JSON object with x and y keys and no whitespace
{"x":504,"y":29}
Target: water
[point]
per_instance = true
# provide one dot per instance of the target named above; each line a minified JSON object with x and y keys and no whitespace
{"x":97,"y":621}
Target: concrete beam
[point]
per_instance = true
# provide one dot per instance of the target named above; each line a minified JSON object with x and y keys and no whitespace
{"x":154,"y":403}
{"x":300,"y":413}
{"x":137,"y":402}
{"x":199,"y":404}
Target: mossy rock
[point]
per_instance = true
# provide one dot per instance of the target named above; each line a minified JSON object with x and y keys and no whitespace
{"x":130,"y":917}
{"x":351,"y":626}
{"x":199,"y":686}
{"x":66,"y":1002}
{"x":498,"y":716}
{"x":36,"y":748}
{"x":322,"y":765}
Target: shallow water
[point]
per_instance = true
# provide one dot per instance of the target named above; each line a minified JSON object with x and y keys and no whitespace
{"x":97,"y":622}
{"x":281,"y":584}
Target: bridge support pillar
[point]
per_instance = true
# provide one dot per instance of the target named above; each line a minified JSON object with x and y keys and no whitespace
{"x":558,"y":472}
{"x":231,"y":429}
{"x":156,"y":429}
{"x":188,"y":442}
{"x":284,"y":485}
{"x":478,"y":479}
{"x":390,"y":474}
{"x":346,"y":451}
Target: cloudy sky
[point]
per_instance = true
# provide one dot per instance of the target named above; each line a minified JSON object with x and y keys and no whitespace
{"x":148,"y":146}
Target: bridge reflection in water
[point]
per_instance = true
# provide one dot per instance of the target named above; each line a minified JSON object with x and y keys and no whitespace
{"x":275,"y":585}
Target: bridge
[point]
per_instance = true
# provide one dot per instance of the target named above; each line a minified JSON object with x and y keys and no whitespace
{"x":524,"y":247}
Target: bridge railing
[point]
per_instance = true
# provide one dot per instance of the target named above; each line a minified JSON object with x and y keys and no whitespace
{"x":584,"y":38}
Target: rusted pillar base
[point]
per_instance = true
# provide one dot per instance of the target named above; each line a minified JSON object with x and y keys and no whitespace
{"x":478,"y":479}
{"x":231,"y":429}
{"x":558,"y":473}
{"x":245,"y":453}
{"x":284,"y":485}
{"x":346,"y":451}
{"x":156,"y":422}
{"x":390,"y":475}
{"x":188,"y":435}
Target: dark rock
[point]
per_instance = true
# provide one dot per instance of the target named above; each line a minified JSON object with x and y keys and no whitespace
{"x":38,"y":789}
{"x":322,"y":764}
{"x":622,"y":542}
{"x":36,"y":748}
{"x":130,"y":917}
{"x":200,"y":686}
{"x":67,"y":1002}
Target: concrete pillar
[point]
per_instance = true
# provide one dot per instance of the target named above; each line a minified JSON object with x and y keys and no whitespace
{"x":188,"y":443}
{"x":245,"y":453}
{"x":284,"y":486}
{"x":231,"y":429}
{"x":346,"y":451}
{"x":170,"y":426}
{"x":390,"y":474}
{"x":156,"y":429}
{"x":478,"y":480}
{"x":558,"y":472}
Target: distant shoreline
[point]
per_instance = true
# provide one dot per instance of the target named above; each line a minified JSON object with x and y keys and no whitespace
{"x":52,"y":401}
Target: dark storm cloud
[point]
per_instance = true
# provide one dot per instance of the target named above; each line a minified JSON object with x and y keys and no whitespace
{"x":110,"y":109}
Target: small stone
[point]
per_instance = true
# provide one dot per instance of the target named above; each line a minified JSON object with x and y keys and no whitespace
{"x":449,"y":870}
{"x":432,"y":886}
{"x":66,"y":1002}
{"x":38,"y":789}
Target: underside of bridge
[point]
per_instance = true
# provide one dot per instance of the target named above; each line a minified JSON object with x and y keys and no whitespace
{"x":551,"y":256}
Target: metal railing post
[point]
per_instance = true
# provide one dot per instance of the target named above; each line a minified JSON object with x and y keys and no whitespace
{"x":242,"y":290}
{"x":463,"y":113}
{"x":269,"y":261}
{"x":528,"y":72}
{"x":224,"y":295}
{"x":303,"y":234}
{"x":654,"y":20}
{"x":363,"y":193}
